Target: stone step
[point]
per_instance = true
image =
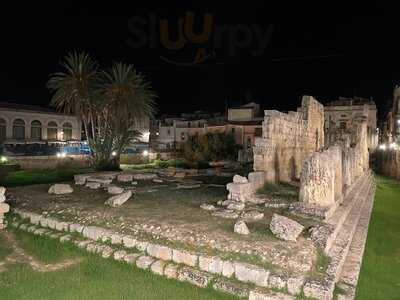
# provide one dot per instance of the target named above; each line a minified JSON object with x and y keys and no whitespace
{"x":169,"y":269}
{"x":342,"y":212}
{"x":323,"y":288}
{"x":341,"y":245}
{"x":352,"y":265}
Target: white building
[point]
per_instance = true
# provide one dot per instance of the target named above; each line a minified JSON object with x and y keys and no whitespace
{"x":340,"y":116}
{"x":21,"y":124}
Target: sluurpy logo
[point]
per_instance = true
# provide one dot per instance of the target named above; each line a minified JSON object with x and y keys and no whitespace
{"x":184,"y":46}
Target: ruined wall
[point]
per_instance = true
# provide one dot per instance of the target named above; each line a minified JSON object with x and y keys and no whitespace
{"x":328,"y":175}
{"x":288,"y":138}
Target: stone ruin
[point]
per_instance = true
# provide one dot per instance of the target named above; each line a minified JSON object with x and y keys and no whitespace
{"x":328,"y":175}
{"x":4,"y":207}
{"x":292,"y":149}
{"x":287,"y":139}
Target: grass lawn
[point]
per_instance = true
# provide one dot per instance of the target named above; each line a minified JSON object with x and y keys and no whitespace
{"x":380,"y":272}
{"x":28,"y":177}
{"x":92,"y":277}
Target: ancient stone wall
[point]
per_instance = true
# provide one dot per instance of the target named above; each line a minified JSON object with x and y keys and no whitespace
{"x":288,"y":138}
{"x":327,"y":175}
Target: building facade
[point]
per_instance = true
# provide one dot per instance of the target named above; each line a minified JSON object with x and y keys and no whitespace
{"x":342,"y":115}
{"x":23,"y":124}
{"x":243,"y":122}
{"x":390,"y":129}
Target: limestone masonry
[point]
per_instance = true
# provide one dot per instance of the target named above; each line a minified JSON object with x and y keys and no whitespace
{"x":287,"y":139}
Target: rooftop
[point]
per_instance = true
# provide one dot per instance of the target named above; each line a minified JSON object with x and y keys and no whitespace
{"x":28,"y":108}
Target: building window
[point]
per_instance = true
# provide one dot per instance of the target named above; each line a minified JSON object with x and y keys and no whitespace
{"x":52,"y":131}
{"x":258,"y":132}
{"x":169,"y":131}
{"x":67,"y":131}
{"x":19,"y":129}
{"x":343,"y":125}
{"x":233,"y":129}
{"x":3,"y":130}
{"x":36,"y":130}
{"x":182,"y":136}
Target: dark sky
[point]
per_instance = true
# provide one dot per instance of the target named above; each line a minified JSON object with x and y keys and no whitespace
{"x":324,"y":50}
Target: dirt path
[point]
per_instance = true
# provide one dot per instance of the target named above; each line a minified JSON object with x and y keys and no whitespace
{"x":19,"y":256}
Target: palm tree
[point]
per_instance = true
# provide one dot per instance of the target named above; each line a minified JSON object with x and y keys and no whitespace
{"x":111,"y":104}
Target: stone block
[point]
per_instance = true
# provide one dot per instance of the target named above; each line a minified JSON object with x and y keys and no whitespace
{"x":107,"y":252}
{"x":116,"y":239}
{"x":260,"y":295}
{"x":93,"y":232}
{"x":62,"y":226}
{"x":80,"y":179}
{"x":131,"y":258}
{"x":236,"y":205}
{"x":295,"y":284}
{"x":115,"y":190}
{"x":211,"y":264}
{"x":148,"y":176}
{"x":125,"y":177}
{"x":285,"y":228}
{"x":76,"y":228}
{"x":59,"y":189}
{"x":239,"y":179}
{"x":144,"y":262}
{"x":195,"y":277}
{"x":129,"y":242}
{"x":171,"y":271}
{"x":240,"y":227}
{"x":229,"y":287}
{"x":4,"y":208}
{"x":35,"y":218}
{"x":93,"y":185}
{"x":120,"y":255}
{"x":276,"y":281}
{"x":228,"y":269}
{"x":159,"y":251}
{"x":184,"y":257}
{"x":141,"y":246}
{"x":158,"y":267}
{"x":118,"y":200}
{"x":250,"y":273}
{"x":319,"y":289}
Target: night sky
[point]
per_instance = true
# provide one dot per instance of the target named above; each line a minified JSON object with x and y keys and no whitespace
{"x":322,"y":50}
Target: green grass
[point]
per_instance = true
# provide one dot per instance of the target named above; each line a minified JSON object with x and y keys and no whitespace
{"x":28,"y":177}
{"x":44,"y":249}
{"x":4,"y":248}
{"x":92,"y":278}
{"x":380,"y":272}
{"x":281,"y":190}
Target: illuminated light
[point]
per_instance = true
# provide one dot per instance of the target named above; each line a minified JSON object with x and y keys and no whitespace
{"x":398,"y":121}
{"x":157,"y":133}
{"x":114,"y":153}
{"x":61,"y":154}
{"x":382,"y":147}
{"x":3,"y":159}
{"x":145,"y":136}
{"x":393,"y":146}
{"x":145,"y":153}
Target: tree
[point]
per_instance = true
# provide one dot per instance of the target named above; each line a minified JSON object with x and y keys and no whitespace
{"x":211,"y":147}
{"x":110,"y":103}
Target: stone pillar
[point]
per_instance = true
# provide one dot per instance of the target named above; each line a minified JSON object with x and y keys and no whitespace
{"x":317,"y":182}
